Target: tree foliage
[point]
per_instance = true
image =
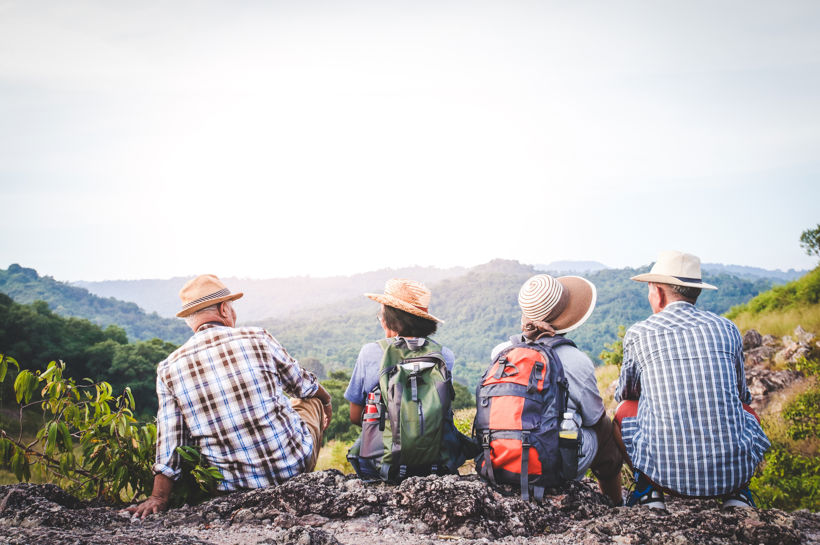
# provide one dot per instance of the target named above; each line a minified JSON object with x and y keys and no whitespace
{"x":89,"y":440}
{"x":480,"y":310}
{"x":810,"y":241}
{"x":33,"y":333}
{"x":26,"y":286}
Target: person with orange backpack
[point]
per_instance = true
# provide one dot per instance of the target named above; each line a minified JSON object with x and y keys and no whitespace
{"x":540,"y":419}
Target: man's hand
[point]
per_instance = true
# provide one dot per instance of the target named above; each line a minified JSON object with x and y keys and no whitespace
{"x":157,"y":501}
{"x":148,"y":507}
{"x":328,"y":410}
{"x":327,"y":406}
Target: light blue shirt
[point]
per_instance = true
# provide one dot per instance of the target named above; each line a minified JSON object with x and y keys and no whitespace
{"x":366,"y":372}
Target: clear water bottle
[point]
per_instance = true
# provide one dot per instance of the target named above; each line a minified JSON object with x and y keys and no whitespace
{"x":569,"y":441}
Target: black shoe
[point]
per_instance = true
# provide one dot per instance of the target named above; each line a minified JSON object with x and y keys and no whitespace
{"x":645,"y":494}
{"x":740,"y":498}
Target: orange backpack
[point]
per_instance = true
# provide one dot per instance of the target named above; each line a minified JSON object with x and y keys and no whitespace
{"x":519,"y":404}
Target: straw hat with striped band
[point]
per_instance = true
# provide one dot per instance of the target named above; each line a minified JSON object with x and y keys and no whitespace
{"x":565,"y":302}
{"x":203,"y":291}
{"x":407,"y":295}
{"x":676,"y":268}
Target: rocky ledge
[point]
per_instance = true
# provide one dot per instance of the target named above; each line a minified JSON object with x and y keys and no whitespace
{"x":329,"y":508}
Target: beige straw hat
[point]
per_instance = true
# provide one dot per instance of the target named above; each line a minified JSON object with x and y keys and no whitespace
{"x":407,"y":295}
{"x":676,"y":268}
{"x":565,"y":302}
{"x":203,"y":291}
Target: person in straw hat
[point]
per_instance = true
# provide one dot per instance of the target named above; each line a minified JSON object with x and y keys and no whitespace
{"x":223,"y":391}
{"x":556,"y":306}
{"x":403,"y":313}
{"x":684,"y":423}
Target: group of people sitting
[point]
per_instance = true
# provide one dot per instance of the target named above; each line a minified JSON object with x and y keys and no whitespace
{"x":683,"y":425}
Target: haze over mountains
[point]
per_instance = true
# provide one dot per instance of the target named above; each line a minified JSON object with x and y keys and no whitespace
{"x":280,"y":297}
{"x":328,"y":318}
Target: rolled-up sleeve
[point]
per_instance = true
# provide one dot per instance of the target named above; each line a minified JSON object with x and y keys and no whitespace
{"x":170,"y":433}
{"x":296,"y":381}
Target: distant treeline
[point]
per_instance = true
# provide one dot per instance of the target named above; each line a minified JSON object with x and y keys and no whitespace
{"x":26,"y":286}
{"x":34,"y":336}
{"x":480,"y":310}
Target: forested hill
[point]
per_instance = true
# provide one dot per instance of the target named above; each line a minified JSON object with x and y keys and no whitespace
{"x":480,"y":309}
{"x":26,"y":286}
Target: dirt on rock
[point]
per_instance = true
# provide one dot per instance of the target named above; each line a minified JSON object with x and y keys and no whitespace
{"x":329,"y":508}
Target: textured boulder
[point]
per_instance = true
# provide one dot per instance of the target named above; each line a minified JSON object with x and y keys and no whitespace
{"x":328,"y":508}
{"x":751,"y":339}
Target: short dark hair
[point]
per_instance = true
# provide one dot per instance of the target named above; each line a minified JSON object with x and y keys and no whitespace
{"x":406,"y":324}
{"x":688,"y":293}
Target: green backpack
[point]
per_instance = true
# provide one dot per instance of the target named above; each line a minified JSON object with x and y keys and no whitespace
{"x":407,"y":423}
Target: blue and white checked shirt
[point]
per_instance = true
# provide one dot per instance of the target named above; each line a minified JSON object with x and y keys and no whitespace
{"x":691,"y":434}
{"x":223,"y":391}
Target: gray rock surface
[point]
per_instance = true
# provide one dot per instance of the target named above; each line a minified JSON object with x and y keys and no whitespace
{"x":328,"y":508}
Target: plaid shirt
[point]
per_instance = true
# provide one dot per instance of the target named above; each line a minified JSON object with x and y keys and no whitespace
{"x":223,"y":391}
{"x":691,"y":434}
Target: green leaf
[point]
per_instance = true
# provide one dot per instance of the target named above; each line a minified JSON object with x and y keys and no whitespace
{"x":21,"y":384}
{"x":128,"y":393}
{"x":18,"y":463}
{"x":188,"y":453}
{"x":51,"y":440}
{"x":66,"y":437}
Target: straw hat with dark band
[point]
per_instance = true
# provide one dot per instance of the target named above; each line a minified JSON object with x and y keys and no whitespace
{"x":565,"y":302}
{"x":407,"y":295}
{"x":203,"y":291}
{"x":676,"y":268}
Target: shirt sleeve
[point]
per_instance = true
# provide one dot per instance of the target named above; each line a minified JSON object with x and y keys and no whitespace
{"x":171,"y":433}
{"x":357,"y":388}
{"x":583,"y":386}
{"x":629,"y":382}
{"x":296,"y":381}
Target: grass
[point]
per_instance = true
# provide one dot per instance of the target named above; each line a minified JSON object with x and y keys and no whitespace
{"x":780,"y":322}
{"x":333,"y":455}
{"x":606,"y":376}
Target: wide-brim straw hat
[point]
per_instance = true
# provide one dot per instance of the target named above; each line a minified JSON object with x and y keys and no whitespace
{"x":676,"y":268}
{"x":565,"y":303}
{"x":407,"y":295}
{"x":203,"y":291}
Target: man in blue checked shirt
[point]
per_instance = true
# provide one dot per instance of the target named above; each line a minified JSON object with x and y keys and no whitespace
{"x":684,"y":421}
{"x":224,"y":392}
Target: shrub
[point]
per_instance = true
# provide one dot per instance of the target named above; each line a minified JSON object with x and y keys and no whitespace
{"x":89,"y":441}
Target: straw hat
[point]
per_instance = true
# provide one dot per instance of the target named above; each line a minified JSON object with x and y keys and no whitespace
{"x":407,"y":295}
{"x":203,"y":291}
{"x":565,"y":302}
{"x":676,"y":268}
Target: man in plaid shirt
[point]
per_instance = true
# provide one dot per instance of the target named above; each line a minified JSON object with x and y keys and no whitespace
{"x":224,"y":392}
{"x":684,"y":421}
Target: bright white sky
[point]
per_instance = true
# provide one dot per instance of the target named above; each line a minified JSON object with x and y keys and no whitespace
{"x":261,"y":139}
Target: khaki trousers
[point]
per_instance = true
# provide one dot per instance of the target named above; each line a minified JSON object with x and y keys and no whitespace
{"x":312,"y":414}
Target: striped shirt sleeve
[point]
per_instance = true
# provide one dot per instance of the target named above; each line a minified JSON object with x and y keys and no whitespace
{"x":170,"y":433}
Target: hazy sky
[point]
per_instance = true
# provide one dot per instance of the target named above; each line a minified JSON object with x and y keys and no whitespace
{"x":265,"y":139}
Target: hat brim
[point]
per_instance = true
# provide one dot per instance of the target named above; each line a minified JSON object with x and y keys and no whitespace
{"x":582,"y":298}
{"x":675,"y":281}
{"x":391,"y":301}
{"x":209,"y":302}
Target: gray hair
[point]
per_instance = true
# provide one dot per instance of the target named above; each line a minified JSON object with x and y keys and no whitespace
{"x":191,"y":318}
{"x":686,"y":292}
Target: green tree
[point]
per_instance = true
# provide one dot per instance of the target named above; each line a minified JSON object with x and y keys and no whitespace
{"x":340,"y":428}
{"x":810,"y":241}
